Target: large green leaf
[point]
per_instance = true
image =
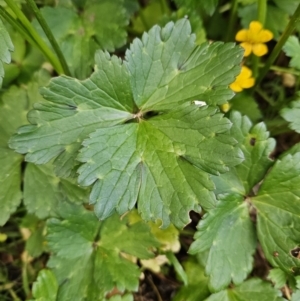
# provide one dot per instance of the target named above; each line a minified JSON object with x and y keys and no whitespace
{"x":278,"y":209}
{"x":6,"y":46}
{"x":88,"y":258}
{"x":100,"y":24}
{"x":253,"y":289}
{"x":146,"y":140}
{"x":292,"y":115}
{"x":227,"y":233}
{"x":257,"y":147}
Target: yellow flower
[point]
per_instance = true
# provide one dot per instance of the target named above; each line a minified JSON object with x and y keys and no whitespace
{"x":253,"y":39}
{"x":243,"y":80}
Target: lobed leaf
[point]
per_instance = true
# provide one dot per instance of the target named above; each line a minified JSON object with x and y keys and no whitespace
{"x":227,"y":233}
{"x":256,"y":145}
{"x":101,"y":24}
{"x":96,"y":251}
{"x":144,"y":140}
{"x":277,"y":204}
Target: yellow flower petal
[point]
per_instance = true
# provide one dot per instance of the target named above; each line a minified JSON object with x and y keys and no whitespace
{"x":259,"y":49}
{"x":248,"y":48}
{"x":245,"y":73}
{"x":235,"y":87}
{"x":248,"y":83}
{"x":265,"y":36}
{"x":242,"y":35}
{"x":254,"y":28}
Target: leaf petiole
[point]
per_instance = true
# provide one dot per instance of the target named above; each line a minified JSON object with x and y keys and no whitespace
{"x":49,"y":35}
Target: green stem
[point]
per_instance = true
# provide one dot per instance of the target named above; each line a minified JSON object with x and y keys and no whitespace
{"x":49,"y":35}
{"x":164,"y":7}
{"x":5,"y":15}
{"x":261,"y":11}
{"x":232,"y":21}
{"x":261,"y":17}
{"x":25,"y":282}
{"x":288,"y":30}
{"x":14,"y":295}
{"x":282,"y":69}
{"x":265,"y":96}
{"x":35,"y":36}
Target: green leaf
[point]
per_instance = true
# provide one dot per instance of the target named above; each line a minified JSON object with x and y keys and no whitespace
{"x":131,"y":6}
{"x":197,"y":288}
{"x":278,"y":277}
{"x":292,"y":114}
{"x":10,"y":183}
{"x":6,"y":47}
{"x":150,"y":15}
{"x":100,"y":24}
{"x":13,"y":108}
{"x":246,"y":105}
{"x":194,"y":18}
{"x":292,"y":49}
{"x":161,"y":156}
{"x":127,"y":297}
{"x":296,"y":296}
{"x":45,"y":288}
{"x":256,"y":145}
{"x":208,"y":6}
{"x":74,"y":110}
{"x":276,"y":19}
{"x":177,"y":267}
{"x":227,"y":232}
{"x":253,"y":289}
{"x":288,"y":5}
{"x":297,"y":282}
{"x":278,"y":208}
{"x":43,"y":190}
{"x":95,"y":251}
